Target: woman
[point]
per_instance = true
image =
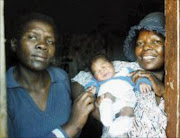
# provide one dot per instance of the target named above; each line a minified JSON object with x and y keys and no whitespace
{"x":148,"y":39}
{"x":145,"y":43}
{"x":39,"y":95}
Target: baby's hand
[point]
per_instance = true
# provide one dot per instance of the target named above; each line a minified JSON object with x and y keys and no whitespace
{"x":109,"y":96}
{"x":106,"y":95}
{"x":145,"y":88}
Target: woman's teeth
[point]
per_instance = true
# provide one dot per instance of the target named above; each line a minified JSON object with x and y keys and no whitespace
{"x":148,"y":57}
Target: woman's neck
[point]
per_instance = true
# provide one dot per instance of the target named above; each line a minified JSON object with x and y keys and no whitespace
{"x":159,"y":74}
{"x":31,"y":79}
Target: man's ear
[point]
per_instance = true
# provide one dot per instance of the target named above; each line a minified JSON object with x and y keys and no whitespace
{"x":13,"y":44}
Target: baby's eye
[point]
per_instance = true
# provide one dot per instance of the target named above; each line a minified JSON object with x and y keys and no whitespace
{"x":105,"y":65}
{"x":96,"y":72}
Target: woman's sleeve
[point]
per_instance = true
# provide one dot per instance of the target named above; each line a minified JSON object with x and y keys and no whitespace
{"x":83,"y":78}
{"x":118,"y":65}
{"x":142,"y":80}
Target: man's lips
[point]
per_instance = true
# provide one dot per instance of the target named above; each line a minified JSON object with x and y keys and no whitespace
{"x":40,"y":57}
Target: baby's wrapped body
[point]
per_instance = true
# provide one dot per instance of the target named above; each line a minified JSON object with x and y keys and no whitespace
{"x":117,"y":115}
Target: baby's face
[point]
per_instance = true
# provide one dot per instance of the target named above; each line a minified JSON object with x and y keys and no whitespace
{"x":103,"y":69}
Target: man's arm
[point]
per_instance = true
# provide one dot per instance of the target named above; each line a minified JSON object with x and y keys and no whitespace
{"x":77,"y":89}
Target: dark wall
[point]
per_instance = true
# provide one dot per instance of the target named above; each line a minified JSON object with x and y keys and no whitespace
{"x":86,"y":26}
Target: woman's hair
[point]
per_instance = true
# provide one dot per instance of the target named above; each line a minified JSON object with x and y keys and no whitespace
{"x":97,"y":57}
{"x":20,"y":26}
{"x":152,"y":22}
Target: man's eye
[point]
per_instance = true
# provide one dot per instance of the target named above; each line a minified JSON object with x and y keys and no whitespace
{"x":50,"y":42}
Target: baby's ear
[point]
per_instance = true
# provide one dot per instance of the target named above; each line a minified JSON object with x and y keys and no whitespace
{"x":13,"y":44}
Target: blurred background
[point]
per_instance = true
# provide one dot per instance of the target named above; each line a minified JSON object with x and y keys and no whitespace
{"x":85,"y":26}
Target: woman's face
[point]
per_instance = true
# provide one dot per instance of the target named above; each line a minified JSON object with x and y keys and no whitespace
{"x":150,"y":50}
{"x":36,"y":46}
{"x":102,"y":69}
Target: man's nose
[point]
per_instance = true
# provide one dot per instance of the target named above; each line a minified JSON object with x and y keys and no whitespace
{"x":42,"y":45}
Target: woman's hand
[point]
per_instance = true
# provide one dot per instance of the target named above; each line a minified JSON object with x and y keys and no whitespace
{"x":82,"y":106}
{"x":157,"y":84}
{"x":145,"y":88}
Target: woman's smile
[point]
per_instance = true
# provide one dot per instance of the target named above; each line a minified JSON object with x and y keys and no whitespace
{"x":148,"y":58}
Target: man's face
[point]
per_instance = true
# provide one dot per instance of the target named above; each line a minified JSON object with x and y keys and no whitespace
{"x":37,"y":45}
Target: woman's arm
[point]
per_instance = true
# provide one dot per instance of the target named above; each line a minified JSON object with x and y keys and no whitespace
{"x":157,"y":85}
{"x":82,"y":106}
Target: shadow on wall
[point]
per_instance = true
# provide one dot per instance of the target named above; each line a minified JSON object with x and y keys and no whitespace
{"x":78,"y":49}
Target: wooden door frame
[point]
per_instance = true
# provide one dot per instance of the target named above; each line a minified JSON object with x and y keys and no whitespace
{"x":3,"y":104}
{"x":172,"y":66}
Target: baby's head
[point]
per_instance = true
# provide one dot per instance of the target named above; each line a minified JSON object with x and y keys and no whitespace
{"x":101,"y":67}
